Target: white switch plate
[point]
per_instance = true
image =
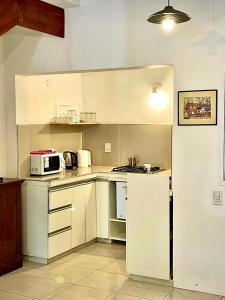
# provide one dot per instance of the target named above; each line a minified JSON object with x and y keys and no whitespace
{"x":217,"y":198}
{"x":108,"y":147}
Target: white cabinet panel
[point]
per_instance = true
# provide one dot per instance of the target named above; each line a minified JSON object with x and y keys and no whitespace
{"x":59,"y":220}
{"x":59,"y":243}
{"x":102,"y":201}
{"x":91,"y":214}
{"x":148,"y":236}
{"x":60,"y":198}
{"x":78,"y":216}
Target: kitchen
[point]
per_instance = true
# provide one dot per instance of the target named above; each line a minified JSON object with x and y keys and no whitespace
{"x":192,"y":260}
{"x":109,"y":145}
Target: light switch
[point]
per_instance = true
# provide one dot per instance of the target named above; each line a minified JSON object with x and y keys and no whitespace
{"x":217,"y":198}
{"x":108,"y":147}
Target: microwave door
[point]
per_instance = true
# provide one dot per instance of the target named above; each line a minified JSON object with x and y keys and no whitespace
{"x":54,"y":164}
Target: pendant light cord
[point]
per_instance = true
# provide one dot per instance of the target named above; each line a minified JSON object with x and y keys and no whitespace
{"x":168,"y":2}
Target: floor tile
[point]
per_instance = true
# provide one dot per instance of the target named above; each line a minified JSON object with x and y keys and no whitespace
{"x":178,"y":294}
{"x":105,"y":249}
{"x":76,"y":292}
{"x":124,"y":297}
{"x":90,"y":261}
{"x":9,"y":296}
{"x":30,"y":286}
{"x":105,"y":281}
{"x":116,"y":266}
{"x":61,"y":273}
{"x":66,"y":259}
{"x":145,"y":290}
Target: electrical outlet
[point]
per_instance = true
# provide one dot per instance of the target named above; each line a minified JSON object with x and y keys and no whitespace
{"x":217,"y":198}
{"x":108,"y":147}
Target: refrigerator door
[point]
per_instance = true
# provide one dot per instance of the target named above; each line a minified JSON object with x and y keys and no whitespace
{"x":121,"y":197}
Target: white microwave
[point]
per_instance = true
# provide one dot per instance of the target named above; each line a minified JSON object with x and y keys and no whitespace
{"x":46,"y":164}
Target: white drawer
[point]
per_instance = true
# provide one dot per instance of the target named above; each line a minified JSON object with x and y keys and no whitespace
{"x":60,"y":198}
{"x":59,"y":219}
{"x":59,"y":243}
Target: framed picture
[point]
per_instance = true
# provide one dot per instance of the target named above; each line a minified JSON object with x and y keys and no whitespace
{"x":197,"y":107}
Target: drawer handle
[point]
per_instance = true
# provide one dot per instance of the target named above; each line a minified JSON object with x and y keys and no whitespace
{"x":52,"y":211}
{"x":59,"y":231}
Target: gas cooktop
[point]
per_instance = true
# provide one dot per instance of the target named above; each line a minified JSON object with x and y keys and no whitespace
{"x":137,"y":169}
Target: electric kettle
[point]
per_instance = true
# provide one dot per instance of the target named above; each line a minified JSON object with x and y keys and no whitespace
{"x":70,"y":160}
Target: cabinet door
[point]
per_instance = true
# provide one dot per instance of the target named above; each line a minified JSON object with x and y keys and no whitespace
{"x":10,"y":228}
{"x":102,"y":201}
{"x":78,"y":215}
{"x":148,"y":227}
{"x":91,"y":212}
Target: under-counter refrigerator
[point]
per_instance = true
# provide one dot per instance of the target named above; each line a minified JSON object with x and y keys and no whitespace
{"x":121,"y":198}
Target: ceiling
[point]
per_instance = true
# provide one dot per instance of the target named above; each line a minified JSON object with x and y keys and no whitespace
{"x":64,"y":3}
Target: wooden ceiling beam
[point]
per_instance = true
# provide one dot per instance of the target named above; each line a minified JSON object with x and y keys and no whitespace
{"x":32,"y":14}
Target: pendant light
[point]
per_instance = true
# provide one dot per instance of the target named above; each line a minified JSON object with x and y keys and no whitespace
{"x":168,"y":17}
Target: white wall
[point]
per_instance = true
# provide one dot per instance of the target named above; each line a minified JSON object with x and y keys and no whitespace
{"x":124,"y":97}
{"x":115,"y":33}
{"x":39,"y":96}
{"x":118,"y":97}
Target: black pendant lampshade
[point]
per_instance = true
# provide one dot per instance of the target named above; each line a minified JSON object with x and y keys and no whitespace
{"x":171,"y":13}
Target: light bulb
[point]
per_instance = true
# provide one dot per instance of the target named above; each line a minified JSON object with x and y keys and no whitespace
{"x":158,"y":100}
{"x":168,"y":24}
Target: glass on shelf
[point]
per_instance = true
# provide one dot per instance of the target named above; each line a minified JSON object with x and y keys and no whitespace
{"x":72,"y":116}
{"x":61,"y":111}
{"x":93,"y":116}
{"x":87,"y":117}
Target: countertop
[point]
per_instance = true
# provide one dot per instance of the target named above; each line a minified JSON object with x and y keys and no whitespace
{"x":89,"y":173}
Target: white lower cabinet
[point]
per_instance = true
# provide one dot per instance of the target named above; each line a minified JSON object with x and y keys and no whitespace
{"x":59,"y":243}
{"x":84,"y":216}
{"x":78,"y":216}
{"x":102,"y":199}
{"x":148,"y":226}
{"x":57,"y":220}
{"x":91,"y":212}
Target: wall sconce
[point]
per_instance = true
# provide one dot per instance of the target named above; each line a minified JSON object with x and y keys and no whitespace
{"x":158,"y":97}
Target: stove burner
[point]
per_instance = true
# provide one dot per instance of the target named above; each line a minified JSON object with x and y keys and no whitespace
{"x":137,"y":169}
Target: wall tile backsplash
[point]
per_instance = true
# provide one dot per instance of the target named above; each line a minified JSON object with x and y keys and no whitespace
{"x":150,"y":143}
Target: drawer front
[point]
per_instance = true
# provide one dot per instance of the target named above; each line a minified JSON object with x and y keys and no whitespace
{"x":60,"y":198}
{"x":59,"y":219}
{"x":59,"y":243}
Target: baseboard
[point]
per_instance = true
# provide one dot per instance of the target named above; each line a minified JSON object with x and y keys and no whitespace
{"x":151,"y":280}
{"x":103,"y":240}
{"x":200,"y":284}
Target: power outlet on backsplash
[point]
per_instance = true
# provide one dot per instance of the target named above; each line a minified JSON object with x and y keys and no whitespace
{"x":108,"y":148}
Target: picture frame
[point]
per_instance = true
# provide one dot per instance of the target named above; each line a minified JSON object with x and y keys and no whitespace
{"x":197,"y":107}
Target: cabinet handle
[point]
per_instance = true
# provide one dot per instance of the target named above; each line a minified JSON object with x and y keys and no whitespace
{"x":59,"y":231}
{"x":52,"y":211}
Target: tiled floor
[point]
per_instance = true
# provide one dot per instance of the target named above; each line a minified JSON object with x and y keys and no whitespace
{"x":95,"y":272}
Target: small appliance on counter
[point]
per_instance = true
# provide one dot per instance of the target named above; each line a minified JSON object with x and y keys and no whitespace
{"x":46,"y":162}
{"x":70,"y":160}
{"x":136,"y":169}
{"x":84,"y":158}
